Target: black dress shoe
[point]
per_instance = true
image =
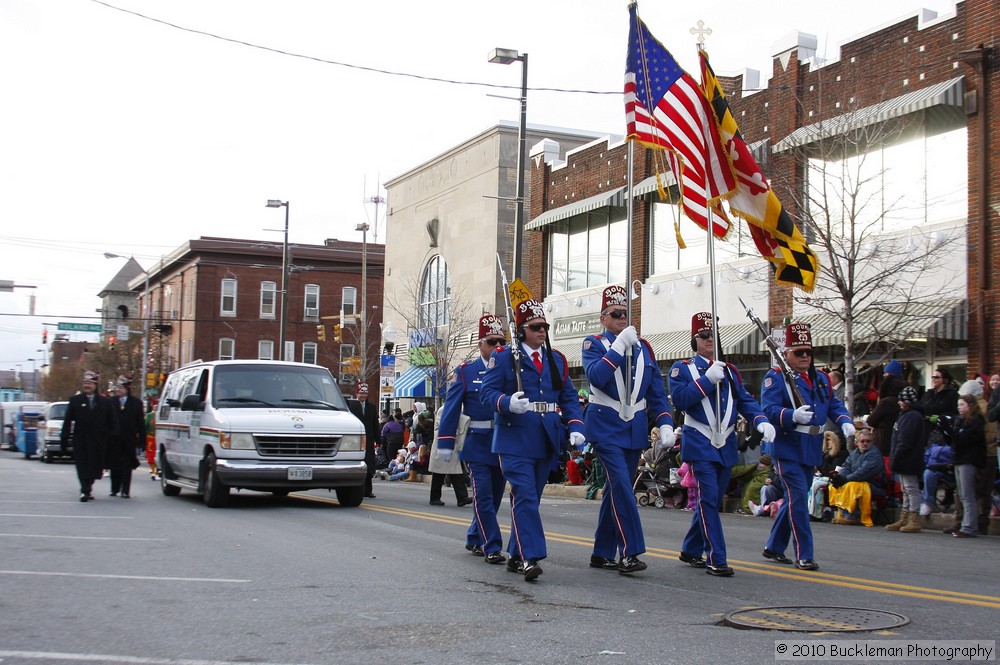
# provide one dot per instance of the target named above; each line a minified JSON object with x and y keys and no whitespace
{"x":602,"y":563}
{"x":113,"y":494}
{"x":630,"y":564}
{"x":720,"y":571}
{"x":475,"y":550}
{"x":495,"y":558}
{"x":514,"y":565}
{"x":530,"y":569}
{"x":83,"y":498}
{"x":464,"y":502}
{"x":775,"y":556}
{"x":125,"y":496}
{"x":437,"y":503}
{"x":806,"y":564}
{"x":695,"y":561}
{"x":369,"y":496}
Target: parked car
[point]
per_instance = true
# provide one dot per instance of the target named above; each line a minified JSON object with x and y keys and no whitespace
{"x":50,"y":447}
{"x":260,"y":425}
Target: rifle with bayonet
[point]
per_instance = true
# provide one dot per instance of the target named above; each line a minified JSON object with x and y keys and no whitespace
{"x":779,"y":359}
{"x":515,"y":346}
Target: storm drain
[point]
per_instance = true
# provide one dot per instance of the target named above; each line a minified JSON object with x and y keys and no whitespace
{"x":814,"y":619}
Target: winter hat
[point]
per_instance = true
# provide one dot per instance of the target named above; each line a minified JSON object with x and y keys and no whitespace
{"x":908,"y":395}
{"x":894,"y":367}
{"x":972,"y":388}
{"x":765,"y":460}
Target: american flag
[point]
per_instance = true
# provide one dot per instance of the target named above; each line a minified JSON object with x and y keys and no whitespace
{"x":666,"y":109}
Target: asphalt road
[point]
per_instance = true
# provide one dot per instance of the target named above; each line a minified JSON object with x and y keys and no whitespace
{"x":165,"y":580}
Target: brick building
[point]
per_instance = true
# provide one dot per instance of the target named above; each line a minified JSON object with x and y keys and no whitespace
{"x":919,"y":93}
{"x":220,"y":298}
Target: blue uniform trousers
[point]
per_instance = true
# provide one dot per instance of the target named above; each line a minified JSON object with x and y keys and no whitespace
{"x":705,"y":533}
{"x":527,"y":477}
{"x":618,"y":526}
{"x":792,"y":519}
{"x":487,"y":495}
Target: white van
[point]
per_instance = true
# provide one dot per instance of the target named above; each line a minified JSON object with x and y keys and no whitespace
{"x":260,"y":425}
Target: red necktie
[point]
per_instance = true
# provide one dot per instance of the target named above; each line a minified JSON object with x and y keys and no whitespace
{"x":538,"y":361}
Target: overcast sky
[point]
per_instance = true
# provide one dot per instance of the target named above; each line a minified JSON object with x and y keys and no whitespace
{"x":124,"y":134}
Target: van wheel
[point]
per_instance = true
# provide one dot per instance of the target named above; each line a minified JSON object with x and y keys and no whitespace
{"x":165,"y":487}
{"x":351,"y":496}
{"x":216,"y":493}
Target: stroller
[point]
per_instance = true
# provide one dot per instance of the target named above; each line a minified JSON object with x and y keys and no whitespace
{"x":657,"y":484}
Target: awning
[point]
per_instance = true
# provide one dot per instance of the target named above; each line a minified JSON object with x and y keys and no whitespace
{"x":614,"y":198}
{"x":739,"y":339}
{"x":941,"y":319}
{"x":648,"y":185}
{"x":415,"y":382}
{"x":946,"y":97}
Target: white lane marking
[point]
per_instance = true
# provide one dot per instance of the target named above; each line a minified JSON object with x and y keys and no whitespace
{"x":127,"y":577}
{"x":137,"y":660}
{"x":45,"y":535}
{"x":72,"y":517}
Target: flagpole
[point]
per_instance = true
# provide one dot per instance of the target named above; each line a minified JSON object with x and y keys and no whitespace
{"x":627,"y":397}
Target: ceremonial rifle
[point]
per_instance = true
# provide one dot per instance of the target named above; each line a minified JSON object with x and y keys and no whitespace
{"x":779,"y":359}
{"x":515,"y":346}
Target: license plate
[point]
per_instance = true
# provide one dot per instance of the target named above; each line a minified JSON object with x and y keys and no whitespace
{"x":300,"y":473}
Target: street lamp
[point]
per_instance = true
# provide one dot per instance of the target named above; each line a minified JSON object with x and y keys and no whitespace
{"x":505,"y":56}
{"x":274,"y":203}
{"x":364,"y":291}
{"x":145,"y":324}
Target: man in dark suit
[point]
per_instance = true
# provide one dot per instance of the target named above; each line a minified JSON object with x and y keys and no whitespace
{"x":90,"y":422}
{"x":123,"y":448}
{"x":367,"y":413}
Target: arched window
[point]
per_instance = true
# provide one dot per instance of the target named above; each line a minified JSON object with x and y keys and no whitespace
{"x":435,"y":295}
{"x":123,"y":311}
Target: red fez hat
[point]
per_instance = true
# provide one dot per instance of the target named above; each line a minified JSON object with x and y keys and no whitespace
{"x":797,"y":334}
{"x":361,"y":387}
{"x":614,"y":296}
{"x":527,"y":310}
{"x":490,"y":326}
{"x":90,"y":376}
{"x":701,"y":323}
{"x":124,"y":380}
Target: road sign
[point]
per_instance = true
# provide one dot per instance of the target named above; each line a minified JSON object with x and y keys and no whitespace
{"x":123,"y":332}
{"x":80,"y":327}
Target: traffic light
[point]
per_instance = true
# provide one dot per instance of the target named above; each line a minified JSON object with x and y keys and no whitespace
{"x":111,"y":342}
{"x":321,"y":333}
{"x":338,"y":334}
{"x":45,"y":336}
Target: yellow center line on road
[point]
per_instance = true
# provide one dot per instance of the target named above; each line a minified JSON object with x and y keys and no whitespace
{"x":760,"y":568}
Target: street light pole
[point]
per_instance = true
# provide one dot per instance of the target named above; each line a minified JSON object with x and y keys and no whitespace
{"x":272,"y":203}
{"x":364,"y":296}
{"x":505,"y":56}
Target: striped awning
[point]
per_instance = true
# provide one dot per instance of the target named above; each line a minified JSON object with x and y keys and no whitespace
{"x":949,"y":95}
{"x":415,"y":382}
{"x":941,"y":319}
{"x":614,"y":198}
{"x":648,"y":185}
{"x":738,"y":339}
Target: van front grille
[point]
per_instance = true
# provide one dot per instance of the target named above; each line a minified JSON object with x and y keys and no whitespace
{"x":276,"y":445}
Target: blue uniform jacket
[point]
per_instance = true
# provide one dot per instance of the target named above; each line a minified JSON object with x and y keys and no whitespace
{"x":603,"y":421}
{"x":536,"y":435}
{"x":791,"y":441}
{"x":688,"y":395}
{"x":463,"y":397}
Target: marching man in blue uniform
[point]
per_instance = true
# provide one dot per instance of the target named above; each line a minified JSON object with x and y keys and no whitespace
{"x":483,"y":537}
{"x":528,"y":428}
{"x":619,"y":432}
{"x":798,"y":446}
{"x":711,"y":394}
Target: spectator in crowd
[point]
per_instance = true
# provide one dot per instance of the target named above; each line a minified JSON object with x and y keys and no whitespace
{"x":969,"y":446}
{"x":883,"y":416}
{"x":993,"y":411}
{"x":906,"y":459}
{"x":689,"y":485}
{"x":985,"y":475}
{"x":392,"y":435}
{"x":941,"y":399}
{"x":753,"y":476}
{"x":834,"y":454}
{"x":574,"y":468}
{"x":850,"y":487}
{"x":151,"y":442}
{"x":937,"y":466}
{"x":399,"y":466}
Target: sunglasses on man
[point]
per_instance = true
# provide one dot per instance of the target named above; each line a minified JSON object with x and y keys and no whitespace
{"x":618,"y":313}
{"x":705,"y":335}
{"x":802,"y":353}
{"x":493,"y":341}
{"x":538,"y":326}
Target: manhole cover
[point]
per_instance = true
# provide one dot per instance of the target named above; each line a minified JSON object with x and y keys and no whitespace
{"x":813,"y":619}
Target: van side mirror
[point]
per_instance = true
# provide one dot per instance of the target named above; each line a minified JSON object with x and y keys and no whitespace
{"x":192,"y":403}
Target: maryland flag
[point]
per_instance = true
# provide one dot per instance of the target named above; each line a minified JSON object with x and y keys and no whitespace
{"x":773,"y":231}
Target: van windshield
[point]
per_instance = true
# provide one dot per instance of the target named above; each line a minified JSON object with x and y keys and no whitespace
{"x":58,"y":411}
{"x":257,"y":386}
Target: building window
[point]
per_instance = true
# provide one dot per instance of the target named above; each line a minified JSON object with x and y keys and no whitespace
{"x":268,"y":297}
{"x":310,"y":352}
{"x":228,"y":297}
{"x":348,"y":304}
{"x":588,"y":250}
{"x":435,"y":295}
{"x":227,"y":348}
{"x":666,"y":257}
{"x":312,"y":301}
{"x":265,"y":349}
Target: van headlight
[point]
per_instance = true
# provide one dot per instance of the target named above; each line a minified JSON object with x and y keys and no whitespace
{"x":350,"y":442}
{"x":242,"y":441}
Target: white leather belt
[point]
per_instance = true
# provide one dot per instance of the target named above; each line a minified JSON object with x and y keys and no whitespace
{"x":717,"y":439}
{"x":544,"y":407}
{"x":811,"y":430}
{"x":481,"y":424}
{"x":599,"y":398}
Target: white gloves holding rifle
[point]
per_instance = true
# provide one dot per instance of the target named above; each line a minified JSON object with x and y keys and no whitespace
{"x":717,"y":372}
{"x":519,"y":403}
{"x":767,"y":432}
{"x":625,"y":340}
{"x":803,"y":415}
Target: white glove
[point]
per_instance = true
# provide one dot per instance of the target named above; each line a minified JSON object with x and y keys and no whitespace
{"x":803,"y":415}
{"x":519,"y":403}
{"x":625,"y":340}
{"x":767,"y":432}
{"x":577,"y":440}
{"x":445,"y":454}
{"x":667,"y":436}
{"x":847,"y":429}
{"x":717,"y":372}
